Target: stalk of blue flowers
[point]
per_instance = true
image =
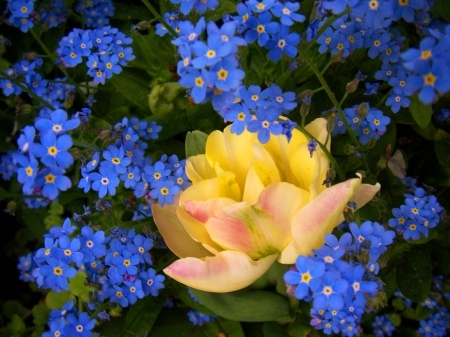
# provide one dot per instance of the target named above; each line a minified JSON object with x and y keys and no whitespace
{"x":51,"y":55}
{"x":336,"y":104}
{"x":325,"y":150}
{"x":25,"y":88}
{"x":160,"y":18}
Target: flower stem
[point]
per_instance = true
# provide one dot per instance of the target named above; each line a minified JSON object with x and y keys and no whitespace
{"x":335,"y":102}
{"x":159,"y":17}
{"x":86,"y":145}
{"x":42,"y":44}
{"x":385,"y":97}
{"x":325,"y":150}
{"x":327,"y":24}
{"x":28,"y":91}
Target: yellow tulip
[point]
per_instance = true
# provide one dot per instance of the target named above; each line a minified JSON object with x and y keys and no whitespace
{"x":250,"y":204}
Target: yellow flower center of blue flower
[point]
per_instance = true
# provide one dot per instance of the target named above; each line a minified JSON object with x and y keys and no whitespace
{"x":49,"y":178}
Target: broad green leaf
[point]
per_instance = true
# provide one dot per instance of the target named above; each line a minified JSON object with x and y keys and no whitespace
{"x":225,"y":7}
{"x":77,"y":286}
{"x":298,"y":329}
{"x":133,"y":84}
{"x":246,"y":306}
{"x":142,"y":315}
{"x":429,"y":132}
{"x":396,"y":319}
{"x":420,"y":111}
{"x":40,"y":313}
{"x":441,"y":256}
{"x":175,"y":322}
{"x":398,"y":303}
{"x":3,"y":193}
{"x":413,"y":274}
{"x":11,"y":308}
{"x":406,"y":332}
{"x":38,"y":331}
{"x":181,"y":292}
{"x":409,"y":313}
{"x":230,"y":328}
{"x":273,"y":329}
{"x":441,"y":9}
{"x":165,"y":98}
{"x":394,"y":195}
{"x":195,"y":143}
{"x":204,"y":118}
{"x":130,"y":11}
{"x":432,"y":234}
{"x":253,"y":61}
{"x":55,"y":301}
{"x":437,"y":176}
{"x":442,"y":147}
{"x":423,"y":312}
{"x":16,"y":326}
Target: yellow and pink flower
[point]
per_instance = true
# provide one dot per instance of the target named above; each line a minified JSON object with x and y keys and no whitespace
{"x":251,"y":204}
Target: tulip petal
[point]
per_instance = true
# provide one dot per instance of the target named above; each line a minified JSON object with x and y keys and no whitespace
{"x":320,"y":216}
{"x":198,"y":169}
{"x":224,"y":186}
{"x":253,"y":184}
{"x":262,"y":156}
{"x":281,"y":151}
{"x":364,"y":193}
{"x":231,"y":152}
{"x":225,"y":272}
{"x":318,"y":129}
{"x":260,"y":229}
{"x":195,"y":214}
{"x":173,"y":232}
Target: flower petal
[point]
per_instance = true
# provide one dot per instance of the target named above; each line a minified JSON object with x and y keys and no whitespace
{"x":260,"y":229}
{"x":321,"y":215}
{"x":224,"y":186}
{"x":225,"y":272}
{"x":231,"y":152}
{"x":173,"y":232}
{"x":198,"y":169}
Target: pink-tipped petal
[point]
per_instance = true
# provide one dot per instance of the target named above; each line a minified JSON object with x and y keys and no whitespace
{"x":321,"y":215}
{"x":173,"y":232}
{"x":225,"y":272}
{"x":260,"y":229}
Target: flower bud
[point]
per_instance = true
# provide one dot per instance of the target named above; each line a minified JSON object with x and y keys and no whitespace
{"x":362,"y":110}
{"x":331,"y":174}
{"x":337,"y":57}
{"x":331,"y":123}
{"x":104,"y":135}
{"x":351,"y":86}
{"x":75,"y":152}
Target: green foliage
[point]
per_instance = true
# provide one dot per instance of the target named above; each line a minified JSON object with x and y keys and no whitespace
{"x":54,"y":217}
{"x":78,"y":287}
{"x":134,"y":85}
{"x":195,"y":143}
{"x":247,"y":306}
{"x":413,"y":275}
{"x":442,"y":147}
{"x":142,"y":315}
{"x":16,"y":327}
{"x":421,"y":112}
{"x":55,"y":301}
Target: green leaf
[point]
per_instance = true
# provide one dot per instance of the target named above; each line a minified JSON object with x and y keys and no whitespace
{"x":421,"y":112}
{"x":133,"y":84}
{"x":442,"y":147}
{"x":406,"y":332}
{"x":11,"y":308}
{"x":204,"y":118}
{"x":77,"y":286}
{"x":432,"y":234}
{"x":409,"y":313}
{"x":181,"y":292}
{"x":174,"y":322}
{"x":231,"y":328}
{"x":40,"y":313}
{"x":130,"y":11}
{"x":142,"y":315}
{"x":225,"y":7}
{"x":398,"y":303}
{"x":437,"y":176}
{"x":298,"y":329}
{"x":413,"y":275}
{"x":3,"y":193}
{"x":253,"y":61}
{"x":166,"y":98}
{"x":55,"y":301}
{"x":247,"y":306}
{"x":273,"y":329}
{"x":396,"y":319}
{"x":195,"y":143}
{"x":16,"y":326}
{"x":441,"y":9}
